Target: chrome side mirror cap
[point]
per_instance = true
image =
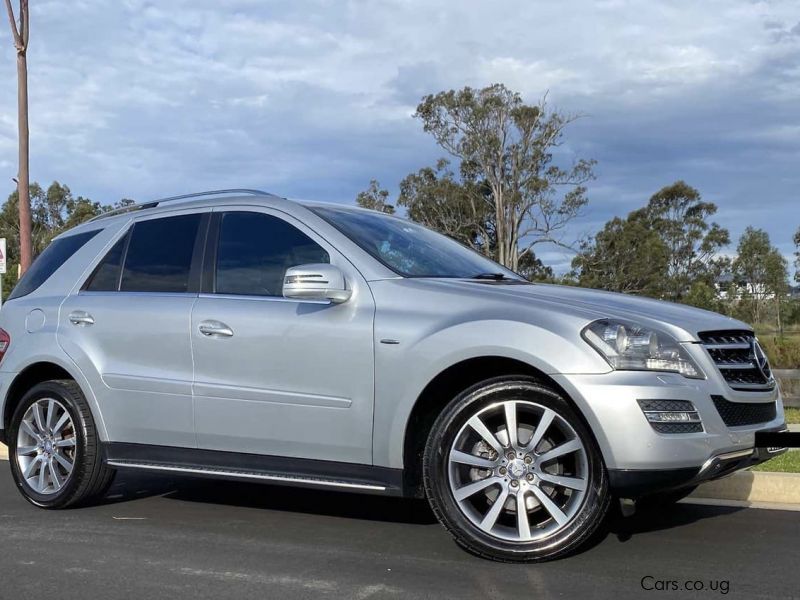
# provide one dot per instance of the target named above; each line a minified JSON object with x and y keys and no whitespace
{"x":317,"y":281}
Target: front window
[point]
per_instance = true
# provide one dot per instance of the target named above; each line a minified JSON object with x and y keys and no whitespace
{"x":410,"y":249}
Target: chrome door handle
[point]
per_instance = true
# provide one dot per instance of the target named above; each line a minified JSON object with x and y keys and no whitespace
{"x":80,"y":317}
{"x":215,"y":329}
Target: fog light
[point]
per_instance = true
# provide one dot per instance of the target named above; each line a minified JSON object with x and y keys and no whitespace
{"x":672,"y":417}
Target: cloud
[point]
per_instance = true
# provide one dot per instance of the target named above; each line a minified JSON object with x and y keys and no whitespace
{"x":141,"y":98}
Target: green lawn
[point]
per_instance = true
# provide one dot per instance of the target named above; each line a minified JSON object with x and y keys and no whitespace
{"x":793,"y":415}
{"x":785,"y":463}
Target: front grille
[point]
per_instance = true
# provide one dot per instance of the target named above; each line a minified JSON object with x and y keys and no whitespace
{"x":740,"y":359}
{"x":738,"y":414}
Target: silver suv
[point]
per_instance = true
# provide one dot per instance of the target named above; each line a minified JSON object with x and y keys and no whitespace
{"x":239,"y":335}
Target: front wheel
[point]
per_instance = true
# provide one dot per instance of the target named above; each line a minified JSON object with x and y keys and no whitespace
{"x":513,"y":473}
{"x":54,"y":449}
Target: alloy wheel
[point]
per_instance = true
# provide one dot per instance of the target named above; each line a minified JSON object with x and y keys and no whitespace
{"x":518,"y":471}
{"x":46,"y":446}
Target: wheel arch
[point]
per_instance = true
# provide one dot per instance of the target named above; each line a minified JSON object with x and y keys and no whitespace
{"x":45,"y":369}
{"x":447,"y":384}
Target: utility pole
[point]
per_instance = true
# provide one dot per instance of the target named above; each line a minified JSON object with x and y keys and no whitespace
{"x":21,"y":33}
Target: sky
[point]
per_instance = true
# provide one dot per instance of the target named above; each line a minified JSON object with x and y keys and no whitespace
{"x":312,"y":99}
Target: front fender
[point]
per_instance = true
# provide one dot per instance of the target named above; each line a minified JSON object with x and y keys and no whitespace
{"x":404,"y":369}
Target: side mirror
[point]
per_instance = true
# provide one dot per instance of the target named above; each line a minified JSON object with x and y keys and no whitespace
{"x":318,"y":281}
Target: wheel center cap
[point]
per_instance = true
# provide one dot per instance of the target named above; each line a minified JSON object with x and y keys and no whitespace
{"x":516,"y":468}
{"x":48,"y":446}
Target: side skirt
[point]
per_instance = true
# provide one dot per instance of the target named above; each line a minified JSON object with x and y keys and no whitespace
{"x":280,"y":470}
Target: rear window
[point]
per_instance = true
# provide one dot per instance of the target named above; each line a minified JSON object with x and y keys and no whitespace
{"x":56,"y":254}
{"x":159,"y":256}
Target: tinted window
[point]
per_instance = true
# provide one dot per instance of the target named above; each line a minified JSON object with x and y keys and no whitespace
{"x":255,"y":250}
{"x":159,"y":255}
{"x":106,"y":276}
{"x":407,"y":248}
{"x":48,"y":262}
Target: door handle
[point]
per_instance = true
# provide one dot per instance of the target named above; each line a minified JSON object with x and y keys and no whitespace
{"x":81,"y":318}
{"x":215,"y":329}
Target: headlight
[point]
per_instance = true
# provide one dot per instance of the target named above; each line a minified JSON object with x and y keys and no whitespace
{"x":631,"y":347}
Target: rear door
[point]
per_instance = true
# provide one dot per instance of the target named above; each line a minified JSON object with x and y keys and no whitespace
{"x":129,"y":326}
{"x":279,"y":376}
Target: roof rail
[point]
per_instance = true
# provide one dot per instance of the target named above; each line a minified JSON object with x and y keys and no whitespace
{"x":154,"y":203}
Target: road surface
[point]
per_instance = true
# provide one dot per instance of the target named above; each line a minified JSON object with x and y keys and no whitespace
{"x":180,"y":538}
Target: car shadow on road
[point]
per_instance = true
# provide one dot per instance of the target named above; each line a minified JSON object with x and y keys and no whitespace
{"x":661,"y":518}
{"x":134,"y":486}
{"x":130,"y":486}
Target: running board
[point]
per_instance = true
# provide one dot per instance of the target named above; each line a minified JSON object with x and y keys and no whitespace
{"x":256,"y":468}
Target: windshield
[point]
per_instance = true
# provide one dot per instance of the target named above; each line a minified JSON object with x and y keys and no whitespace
{"x":410,"y":249}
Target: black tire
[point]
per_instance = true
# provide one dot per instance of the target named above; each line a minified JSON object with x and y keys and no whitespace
{"x":574,"y":533}
{"x":664,"y":499}
{"x":90,"y":477}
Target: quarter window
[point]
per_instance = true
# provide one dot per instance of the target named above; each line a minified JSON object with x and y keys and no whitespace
{"x":56,"y":254}
{"x":254,"y":251}
{"x":159,"y":257}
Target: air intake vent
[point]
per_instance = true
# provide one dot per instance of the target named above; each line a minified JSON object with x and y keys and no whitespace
{"x":738,"y":414}
{"x":740,"y":359}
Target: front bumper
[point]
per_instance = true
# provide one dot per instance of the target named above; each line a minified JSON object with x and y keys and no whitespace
{"x":637,"y":483}
{"x":641,"y":460}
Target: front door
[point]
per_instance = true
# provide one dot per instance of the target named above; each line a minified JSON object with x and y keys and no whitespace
{"x":276,"y":376}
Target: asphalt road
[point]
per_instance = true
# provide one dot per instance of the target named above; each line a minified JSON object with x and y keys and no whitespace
{"x":180,"y":538}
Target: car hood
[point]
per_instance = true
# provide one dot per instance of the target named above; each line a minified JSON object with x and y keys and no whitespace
{"x":683,"y":322}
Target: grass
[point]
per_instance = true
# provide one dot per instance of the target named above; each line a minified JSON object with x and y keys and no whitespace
{"x":792,"y":415}
{"x":785,"y":463}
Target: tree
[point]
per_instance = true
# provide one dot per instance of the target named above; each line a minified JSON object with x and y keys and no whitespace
{"x":21,"y":33}
{"x":375,"y":198}
{"x":508,"y":146}
{"x":760,"y":274}
{"x":627,"y":256}
{"x":679,"y":216}
{"x":436,"y":198}
{"x":53,"y":210}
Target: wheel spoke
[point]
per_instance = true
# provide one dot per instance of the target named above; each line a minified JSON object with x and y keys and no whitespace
{"x":61,"y":422}
{"x":490,"y":518}
{"x":63,"y":462}
{"x":573,"y":483}
{"x":487,"y":435}
{"x":51,"y":413}
{"x":28,"y":429}
{"x":570,"y":446}
{"x":550,"y":506}
{"x":544,"y":423}
{"x":470,"y":459}
{"x":67,"y":443}
{"x":26,"y":450}
{"x":31,"y":467}
{"x":57,"y":481}
{"x":523,"y":526}
{"x":465,"y":492}
{"x":39,"y":417}
{"x":42,"y":476}
{"x":511,"y":423}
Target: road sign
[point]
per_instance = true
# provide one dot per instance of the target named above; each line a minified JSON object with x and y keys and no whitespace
{"x":2,"y":256}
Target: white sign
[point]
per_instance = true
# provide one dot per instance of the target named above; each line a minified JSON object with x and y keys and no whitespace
{"x":2,"y":256}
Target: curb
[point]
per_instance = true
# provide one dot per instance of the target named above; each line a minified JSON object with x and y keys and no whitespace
{"x":757,"y":487}
{"x":3,"y":452}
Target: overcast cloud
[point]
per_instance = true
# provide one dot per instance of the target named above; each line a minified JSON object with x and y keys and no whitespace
{"x":313,"y":99}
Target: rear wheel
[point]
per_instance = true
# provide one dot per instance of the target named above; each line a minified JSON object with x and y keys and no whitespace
{"x":513,"y":474}
{"x":54,"y":449}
